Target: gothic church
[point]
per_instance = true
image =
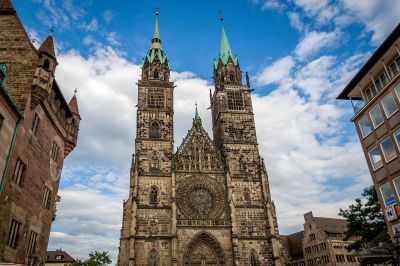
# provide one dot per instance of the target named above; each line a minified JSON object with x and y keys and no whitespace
{"x":209,"y":203}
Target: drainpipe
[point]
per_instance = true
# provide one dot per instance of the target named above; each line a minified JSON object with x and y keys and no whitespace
{"x":3,"y":179}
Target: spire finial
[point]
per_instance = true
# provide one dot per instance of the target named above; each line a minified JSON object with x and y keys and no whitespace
{"x":196,"y":113}
{"x":221,"y":16}
{"x":75,"y":91}
{"x":51,"y":30}
{"x":156,"y":41}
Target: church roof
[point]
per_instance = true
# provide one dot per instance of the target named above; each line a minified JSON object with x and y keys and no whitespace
{"x":48,"y":46}
{"x":225,"y":51}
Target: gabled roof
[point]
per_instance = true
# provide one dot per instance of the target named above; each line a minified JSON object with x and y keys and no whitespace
{"x":48,"y":47}
{"x":197,"y":153}
{"x":51,"y":256}
{"x":6,"y":7}
{"x":331,"y":225}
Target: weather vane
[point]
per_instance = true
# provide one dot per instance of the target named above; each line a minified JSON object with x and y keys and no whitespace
{"x":156,"y":8}
{"x":221,"y":16}
{"x":75,"y":91}
{"x":51,"y":30}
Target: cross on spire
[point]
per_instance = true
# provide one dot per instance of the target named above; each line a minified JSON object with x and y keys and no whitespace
{"x":75,"y":91}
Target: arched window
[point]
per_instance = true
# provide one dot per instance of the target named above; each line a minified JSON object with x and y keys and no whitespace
{"x":249,"y":228}
{"x":156,"y":74}
{"x":153,"y":195}
{"x":153,"y":258}
{"x":232,"y":76}
{"x":246,"y":196}
{"x":253,"y":259}
{"x":154,"y":130}
{"x":154,"y":163}
{"x":46,"y":64}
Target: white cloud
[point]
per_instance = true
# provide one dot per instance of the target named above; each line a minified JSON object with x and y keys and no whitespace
{"x":379,"y":16}
{"x":314,"y":41}
{"x":108,"y":15}
{"x":273,"y":4}
{"x":91,"y":26}
{"x":295,"y":21}
{"x":112,"y":38}
{"x":277,"y":71}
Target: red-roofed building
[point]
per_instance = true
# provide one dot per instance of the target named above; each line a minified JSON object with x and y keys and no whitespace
{"x":320,"y":243}
{"x":58,"y":258}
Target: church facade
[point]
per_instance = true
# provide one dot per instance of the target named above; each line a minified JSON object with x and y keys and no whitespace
{"x":209,"y":202}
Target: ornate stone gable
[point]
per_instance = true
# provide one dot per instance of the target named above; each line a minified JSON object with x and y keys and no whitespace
{"x":197,"y":152}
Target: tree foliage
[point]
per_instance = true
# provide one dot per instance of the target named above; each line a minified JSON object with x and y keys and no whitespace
{"x":95,"y":259}
{"x":365,"y":223}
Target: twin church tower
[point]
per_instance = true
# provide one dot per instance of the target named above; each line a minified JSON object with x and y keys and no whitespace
{"x":209,"y":203}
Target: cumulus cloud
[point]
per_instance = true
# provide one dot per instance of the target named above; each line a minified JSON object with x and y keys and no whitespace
{"x":277,"y":71}
{"x":314,"y":41}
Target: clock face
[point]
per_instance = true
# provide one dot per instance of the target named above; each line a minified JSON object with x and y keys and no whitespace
{"x":200,"y":201}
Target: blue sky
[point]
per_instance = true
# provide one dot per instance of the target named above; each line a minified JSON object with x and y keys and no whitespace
{"x":299,"y":54}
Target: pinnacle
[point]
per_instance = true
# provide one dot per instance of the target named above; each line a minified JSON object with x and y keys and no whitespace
{"x":73,"y":105}
{"x":48,"y":46}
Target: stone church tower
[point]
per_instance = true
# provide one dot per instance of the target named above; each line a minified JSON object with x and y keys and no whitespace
{"x":209,"y":203}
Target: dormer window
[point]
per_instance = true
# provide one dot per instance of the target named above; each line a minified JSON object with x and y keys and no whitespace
{"x":46,"y":64}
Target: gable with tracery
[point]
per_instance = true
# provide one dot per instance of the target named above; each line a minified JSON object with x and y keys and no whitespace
{"x":197,"y":152}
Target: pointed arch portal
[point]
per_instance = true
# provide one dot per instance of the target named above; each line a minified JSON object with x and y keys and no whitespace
{"x":204,"y":249}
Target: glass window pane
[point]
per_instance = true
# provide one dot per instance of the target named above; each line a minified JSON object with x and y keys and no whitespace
{"x":397,"y":137}
{"x":365,"y":126}
{"x":389,"y":105}
{"x":387,"y":195}
{"x":376,"y":116}
{"x":397,"y":90}
{"x":396,"y":183}
{"x":375,"y":158}
{"x":388,"y":149}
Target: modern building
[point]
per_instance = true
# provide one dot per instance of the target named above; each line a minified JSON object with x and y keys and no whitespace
{"x":209,"y":203}
{"x":58,"y":258}
{"x":320,"y":243}
{"x":46,"y":136}
{"x":375,"y":95}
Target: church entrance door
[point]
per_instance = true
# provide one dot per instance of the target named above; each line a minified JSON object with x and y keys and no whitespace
{"x":204,"y":250}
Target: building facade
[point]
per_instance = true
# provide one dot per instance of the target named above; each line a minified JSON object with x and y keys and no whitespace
{"x":58,"y":258}
{"x":48,"y":133}
{"x":375,"y":94}
{"x":208,"y":203}
{"x":320,"y":243}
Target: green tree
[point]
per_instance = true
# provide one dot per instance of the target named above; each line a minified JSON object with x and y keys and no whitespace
{"x":95,"y":259}
{"x":365,"y":223}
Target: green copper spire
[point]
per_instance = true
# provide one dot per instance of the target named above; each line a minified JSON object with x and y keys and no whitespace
{"x":225,"y":50}
{"x":196,"y":113}
{"x":156,"y":41}
{"x":156,"y":47}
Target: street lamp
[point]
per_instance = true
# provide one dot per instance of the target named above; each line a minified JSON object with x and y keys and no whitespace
{"x":32,"y":259}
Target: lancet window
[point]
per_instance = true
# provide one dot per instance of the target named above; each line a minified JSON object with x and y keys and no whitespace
{"x":153,"y":195}
{"x":154,"y":130}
